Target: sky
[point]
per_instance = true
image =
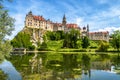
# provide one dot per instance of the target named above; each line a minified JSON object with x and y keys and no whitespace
{"x":101,"y":15}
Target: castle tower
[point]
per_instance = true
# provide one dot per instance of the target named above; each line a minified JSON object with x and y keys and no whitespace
{"x":64,"y":28}
{"x":64,"y":20}
{"x":28,"y":19}
{"x":88,"y":30}
{"x":30,"y":13}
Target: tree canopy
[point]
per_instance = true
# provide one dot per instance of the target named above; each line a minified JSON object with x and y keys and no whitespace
{"x":70,"y":40}
{"x":21,"y":40}
{"x":85,"y":42}
{"x":6,"y":22}
{"x":6,"y":28}
{"x":116,"y":39}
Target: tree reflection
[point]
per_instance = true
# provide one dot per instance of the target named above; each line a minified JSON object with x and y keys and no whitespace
{"x":43,"y":66}
{"x":86,"y":64}
{"x":101,"y":62}
{"x":71,"y":66}
{"x":116,"y":62}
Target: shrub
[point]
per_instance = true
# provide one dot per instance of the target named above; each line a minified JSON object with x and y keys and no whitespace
{"x":31,"y":47}
{"x":43,"y":46}
{"x":103,"y":46}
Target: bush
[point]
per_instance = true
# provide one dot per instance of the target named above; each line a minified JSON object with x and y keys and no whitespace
{"x":43,"y":46}
{"x":31,"y":47}
{"x":93,"y":44}
{"x":103,"y":46}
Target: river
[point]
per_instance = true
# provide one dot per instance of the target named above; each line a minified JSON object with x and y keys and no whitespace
{"x":62,"y":66}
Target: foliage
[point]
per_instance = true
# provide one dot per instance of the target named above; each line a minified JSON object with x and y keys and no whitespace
{"x":21,"y":40}
{"x":54,"y":45}
{"x":116,"y":39}
{"x":6,"y":28}
{"x":43,"y":46}
{"x":6,"y":23}
{"x":2,"y":75}
{"x":5,"y":48}
{"x":31,"y":47}
{"x":103,"y":46}
{"x":85,"y":42}
{"x":79,"y":41}
{"x":93,"y":44}
{"x":71,"y":38}
{"x":58,"y":35}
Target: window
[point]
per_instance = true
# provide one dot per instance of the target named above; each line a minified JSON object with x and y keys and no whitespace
{"x":105,"y":35}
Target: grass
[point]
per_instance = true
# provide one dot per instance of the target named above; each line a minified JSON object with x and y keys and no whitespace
{"x":54,"y":45}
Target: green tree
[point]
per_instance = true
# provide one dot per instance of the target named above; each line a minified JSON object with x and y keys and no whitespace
{"x":71,"y":38}
{"x":103,"y":46}
{"x":85,"y":42}
{"x":58,"y":35}
{"x":116,"y":39}
{"x":6,"y":28}
{"x":22,"y":40}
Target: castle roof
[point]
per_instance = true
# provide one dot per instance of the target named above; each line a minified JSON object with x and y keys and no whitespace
{"x":72,"y":25}
{"x":40,"y":18}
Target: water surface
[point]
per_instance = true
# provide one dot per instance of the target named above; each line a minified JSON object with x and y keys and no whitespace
{"x":62,"y":66}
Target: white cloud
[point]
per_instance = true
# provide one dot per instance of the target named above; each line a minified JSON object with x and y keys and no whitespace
{"x":76,"y":12}
{"x":79,"y":21}
{"x":19,"y":23}
{"x":110,"y":29}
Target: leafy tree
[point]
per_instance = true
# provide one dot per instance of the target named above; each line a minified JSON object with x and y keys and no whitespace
{"x":116,"y":39}
{"x":43,"y":46}
{"x":6,"y":28}
{"x":22,"y":40}
{"x":71,"y":39}
{"x":58,"y":35}
{"x":103,"y":46}
{"x":93,"y":44}
{"x":85,"y":42}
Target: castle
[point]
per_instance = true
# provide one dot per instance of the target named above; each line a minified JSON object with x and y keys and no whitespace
{"x":38,"y":25}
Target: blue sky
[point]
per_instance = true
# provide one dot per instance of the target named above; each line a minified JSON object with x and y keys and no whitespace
{"x":101,"y":15}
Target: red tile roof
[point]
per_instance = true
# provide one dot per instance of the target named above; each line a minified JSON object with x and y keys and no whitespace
{"x":72,"y":26}
{"x":40,"y":18}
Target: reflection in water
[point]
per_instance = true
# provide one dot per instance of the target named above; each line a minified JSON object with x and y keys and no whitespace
{"x":70,"y":66}
{"x":9,"y":69}
{"x":35,"y":63}
{"x":86,"y":64}
{"x":61,"y":66}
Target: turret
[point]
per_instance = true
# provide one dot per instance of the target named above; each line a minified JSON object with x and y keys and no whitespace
{"x":30,"y":13}
{"x":87,"y":27}
{"x":64,"y":20}
{"x":88,"y":30}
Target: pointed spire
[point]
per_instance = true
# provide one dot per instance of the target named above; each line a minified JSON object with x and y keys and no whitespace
{"x":88,"y":27}
{"x":64,"y":20}
{"x":64,"y":17}
{"x":88,"y":30}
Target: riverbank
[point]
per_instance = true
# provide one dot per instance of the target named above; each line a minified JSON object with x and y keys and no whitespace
{"x":91,"y":51}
